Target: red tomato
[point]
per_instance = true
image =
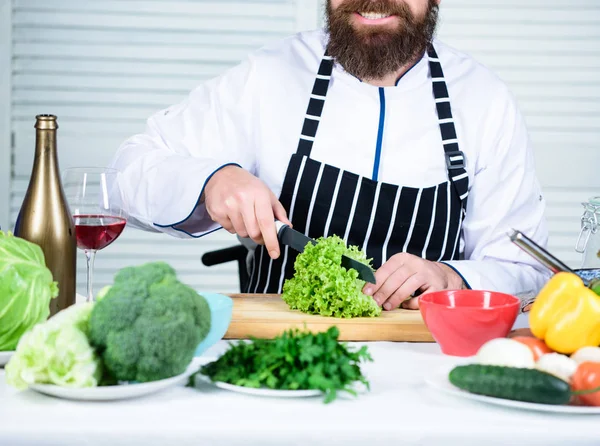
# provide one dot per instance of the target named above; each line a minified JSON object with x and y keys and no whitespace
{"x":537,"y":346}
{"x":587,"y":377}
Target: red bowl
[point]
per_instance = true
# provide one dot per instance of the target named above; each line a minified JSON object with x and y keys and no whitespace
{"x":461,"y":321}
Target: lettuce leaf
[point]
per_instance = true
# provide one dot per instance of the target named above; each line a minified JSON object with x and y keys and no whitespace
{"x":322,"y":286}
{"x":57,"y":352}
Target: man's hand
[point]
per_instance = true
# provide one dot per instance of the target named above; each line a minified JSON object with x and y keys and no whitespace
{"x":404,"y":274}
{"x":245,"y":206}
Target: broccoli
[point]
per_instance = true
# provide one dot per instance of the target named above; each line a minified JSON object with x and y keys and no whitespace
{"x":148,"y":324}
{"x":149,"y":273}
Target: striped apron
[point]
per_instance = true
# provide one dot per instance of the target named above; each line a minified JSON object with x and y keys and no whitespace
{"x":381,"y":218}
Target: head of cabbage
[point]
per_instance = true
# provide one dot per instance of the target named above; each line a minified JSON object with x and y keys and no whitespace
{"x":26,"y":288}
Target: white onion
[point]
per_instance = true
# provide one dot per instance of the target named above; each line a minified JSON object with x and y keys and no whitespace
{"x":586,"y":354}
{"x":558,"y":365}
{"x":505,"y":352}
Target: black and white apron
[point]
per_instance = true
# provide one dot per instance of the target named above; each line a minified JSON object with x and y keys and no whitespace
{"x":381,"y":218}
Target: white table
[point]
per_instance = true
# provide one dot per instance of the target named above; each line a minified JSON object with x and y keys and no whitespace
{"x":399,"y":410}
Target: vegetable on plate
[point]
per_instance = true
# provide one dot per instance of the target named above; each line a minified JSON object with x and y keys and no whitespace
{"x":147,"y":325}
{"x":505,"y":352}
{"x":525,"y":369}
{"x":294,"y":360}
{"x":528,"y":385}
{"x":586,"y":354}
{"x":586,"y":378}
{"x":26,"y":288}
{"x":537,"y":346}
{"x":558,"y":365}
{"x":321,"y":285}
{"x":512,"y":383}
{"x":144,"y":327}
{"x":57,"y":352}
{"x":566,"y":314}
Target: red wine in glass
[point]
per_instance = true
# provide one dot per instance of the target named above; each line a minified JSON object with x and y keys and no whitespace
{"x":99,"y":210}
{"x":96,"y":232}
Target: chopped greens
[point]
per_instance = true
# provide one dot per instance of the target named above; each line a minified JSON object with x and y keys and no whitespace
{"x":294,"y":360}
{"x":321,"y":285}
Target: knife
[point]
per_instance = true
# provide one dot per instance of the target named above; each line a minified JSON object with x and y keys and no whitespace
{"x":298,"y":241}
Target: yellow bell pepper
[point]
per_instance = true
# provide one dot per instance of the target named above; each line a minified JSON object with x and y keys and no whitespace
{"x":566,"y":314}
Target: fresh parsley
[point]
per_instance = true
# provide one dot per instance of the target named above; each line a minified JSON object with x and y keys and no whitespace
{"x":321,"y":285}
{"x":294,"y":360}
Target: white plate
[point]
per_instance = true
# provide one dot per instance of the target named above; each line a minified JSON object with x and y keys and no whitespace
{"x":261,"y":391}
{"x":269,"y":392}
{"x":440,"y":381}
{"x":5,"y":356}
{"x":119,"y":392}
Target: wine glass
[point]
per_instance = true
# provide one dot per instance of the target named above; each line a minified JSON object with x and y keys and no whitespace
{"x":99,"y":211}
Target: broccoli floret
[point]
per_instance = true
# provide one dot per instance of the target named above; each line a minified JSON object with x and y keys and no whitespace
{"x":180,"y":298}
{"x":117,"y":310}
{"x":122,"y":354}
{"x":150,"y":273}
{"x":148,"y":324}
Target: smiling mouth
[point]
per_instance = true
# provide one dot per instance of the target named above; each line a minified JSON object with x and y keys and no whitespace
{"x":373,"y":15}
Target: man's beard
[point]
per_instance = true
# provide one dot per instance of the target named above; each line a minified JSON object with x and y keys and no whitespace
{"x":373,"y":52}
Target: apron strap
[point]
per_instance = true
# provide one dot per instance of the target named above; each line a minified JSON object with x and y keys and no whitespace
{"x":315,"y":106}
{"x":455,"y":158}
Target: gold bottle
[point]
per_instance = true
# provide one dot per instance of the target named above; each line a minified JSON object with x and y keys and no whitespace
{"x":45,"y":218}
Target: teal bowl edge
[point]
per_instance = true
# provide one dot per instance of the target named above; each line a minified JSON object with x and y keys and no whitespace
{"x":221,"y":309}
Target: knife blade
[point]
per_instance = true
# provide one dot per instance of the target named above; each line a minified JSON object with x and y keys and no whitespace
{"x":298,"y":241}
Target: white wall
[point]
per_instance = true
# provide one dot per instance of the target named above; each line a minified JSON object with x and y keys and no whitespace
{"x":104,"y":67}
{"x":5,"y":119}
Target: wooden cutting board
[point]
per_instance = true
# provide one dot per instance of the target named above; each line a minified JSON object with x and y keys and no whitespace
{"x":267,"y":315}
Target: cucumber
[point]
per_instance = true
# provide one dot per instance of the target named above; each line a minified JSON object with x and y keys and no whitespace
{"x":512,"y":383}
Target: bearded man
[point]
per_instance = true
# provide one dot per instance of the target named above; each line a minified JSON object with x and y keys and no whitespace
{"x":370,"y":129}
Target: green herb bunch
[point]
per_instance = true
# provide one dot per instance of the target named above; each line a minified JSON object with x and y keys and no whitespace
{"x":321,"y":285}
{"x":294,"y":360}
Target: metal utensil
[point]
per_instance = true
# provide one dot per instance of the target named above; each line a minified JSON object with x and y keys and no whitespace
{"x":537,"y":252}
{"x":298,"y":241}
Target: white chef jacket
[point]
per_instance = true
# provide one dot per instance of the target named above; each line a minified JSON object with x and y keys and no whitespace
{"x":252,"y":116}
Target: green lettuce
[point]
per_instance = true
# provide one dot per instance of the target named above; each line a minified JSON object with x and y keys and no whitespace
{"x":26,"y":288}
{"x":57,"y":352}
{"x":321,"y":285}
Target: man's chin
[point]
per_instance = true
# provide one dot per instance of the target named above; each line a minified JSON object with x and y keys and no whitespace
{"x":375,"y":40}
{"x":374,"y":33}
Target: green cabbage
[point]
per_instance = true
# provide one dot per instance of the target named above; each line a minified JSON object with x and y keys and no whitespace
{"x":57,"y":352}
{"x":321,"y":285}
{"x":26,"y":288}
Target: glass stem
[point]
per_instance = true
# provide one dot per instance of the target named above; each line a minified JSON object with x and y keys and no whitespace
{"x":90,"y":255}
